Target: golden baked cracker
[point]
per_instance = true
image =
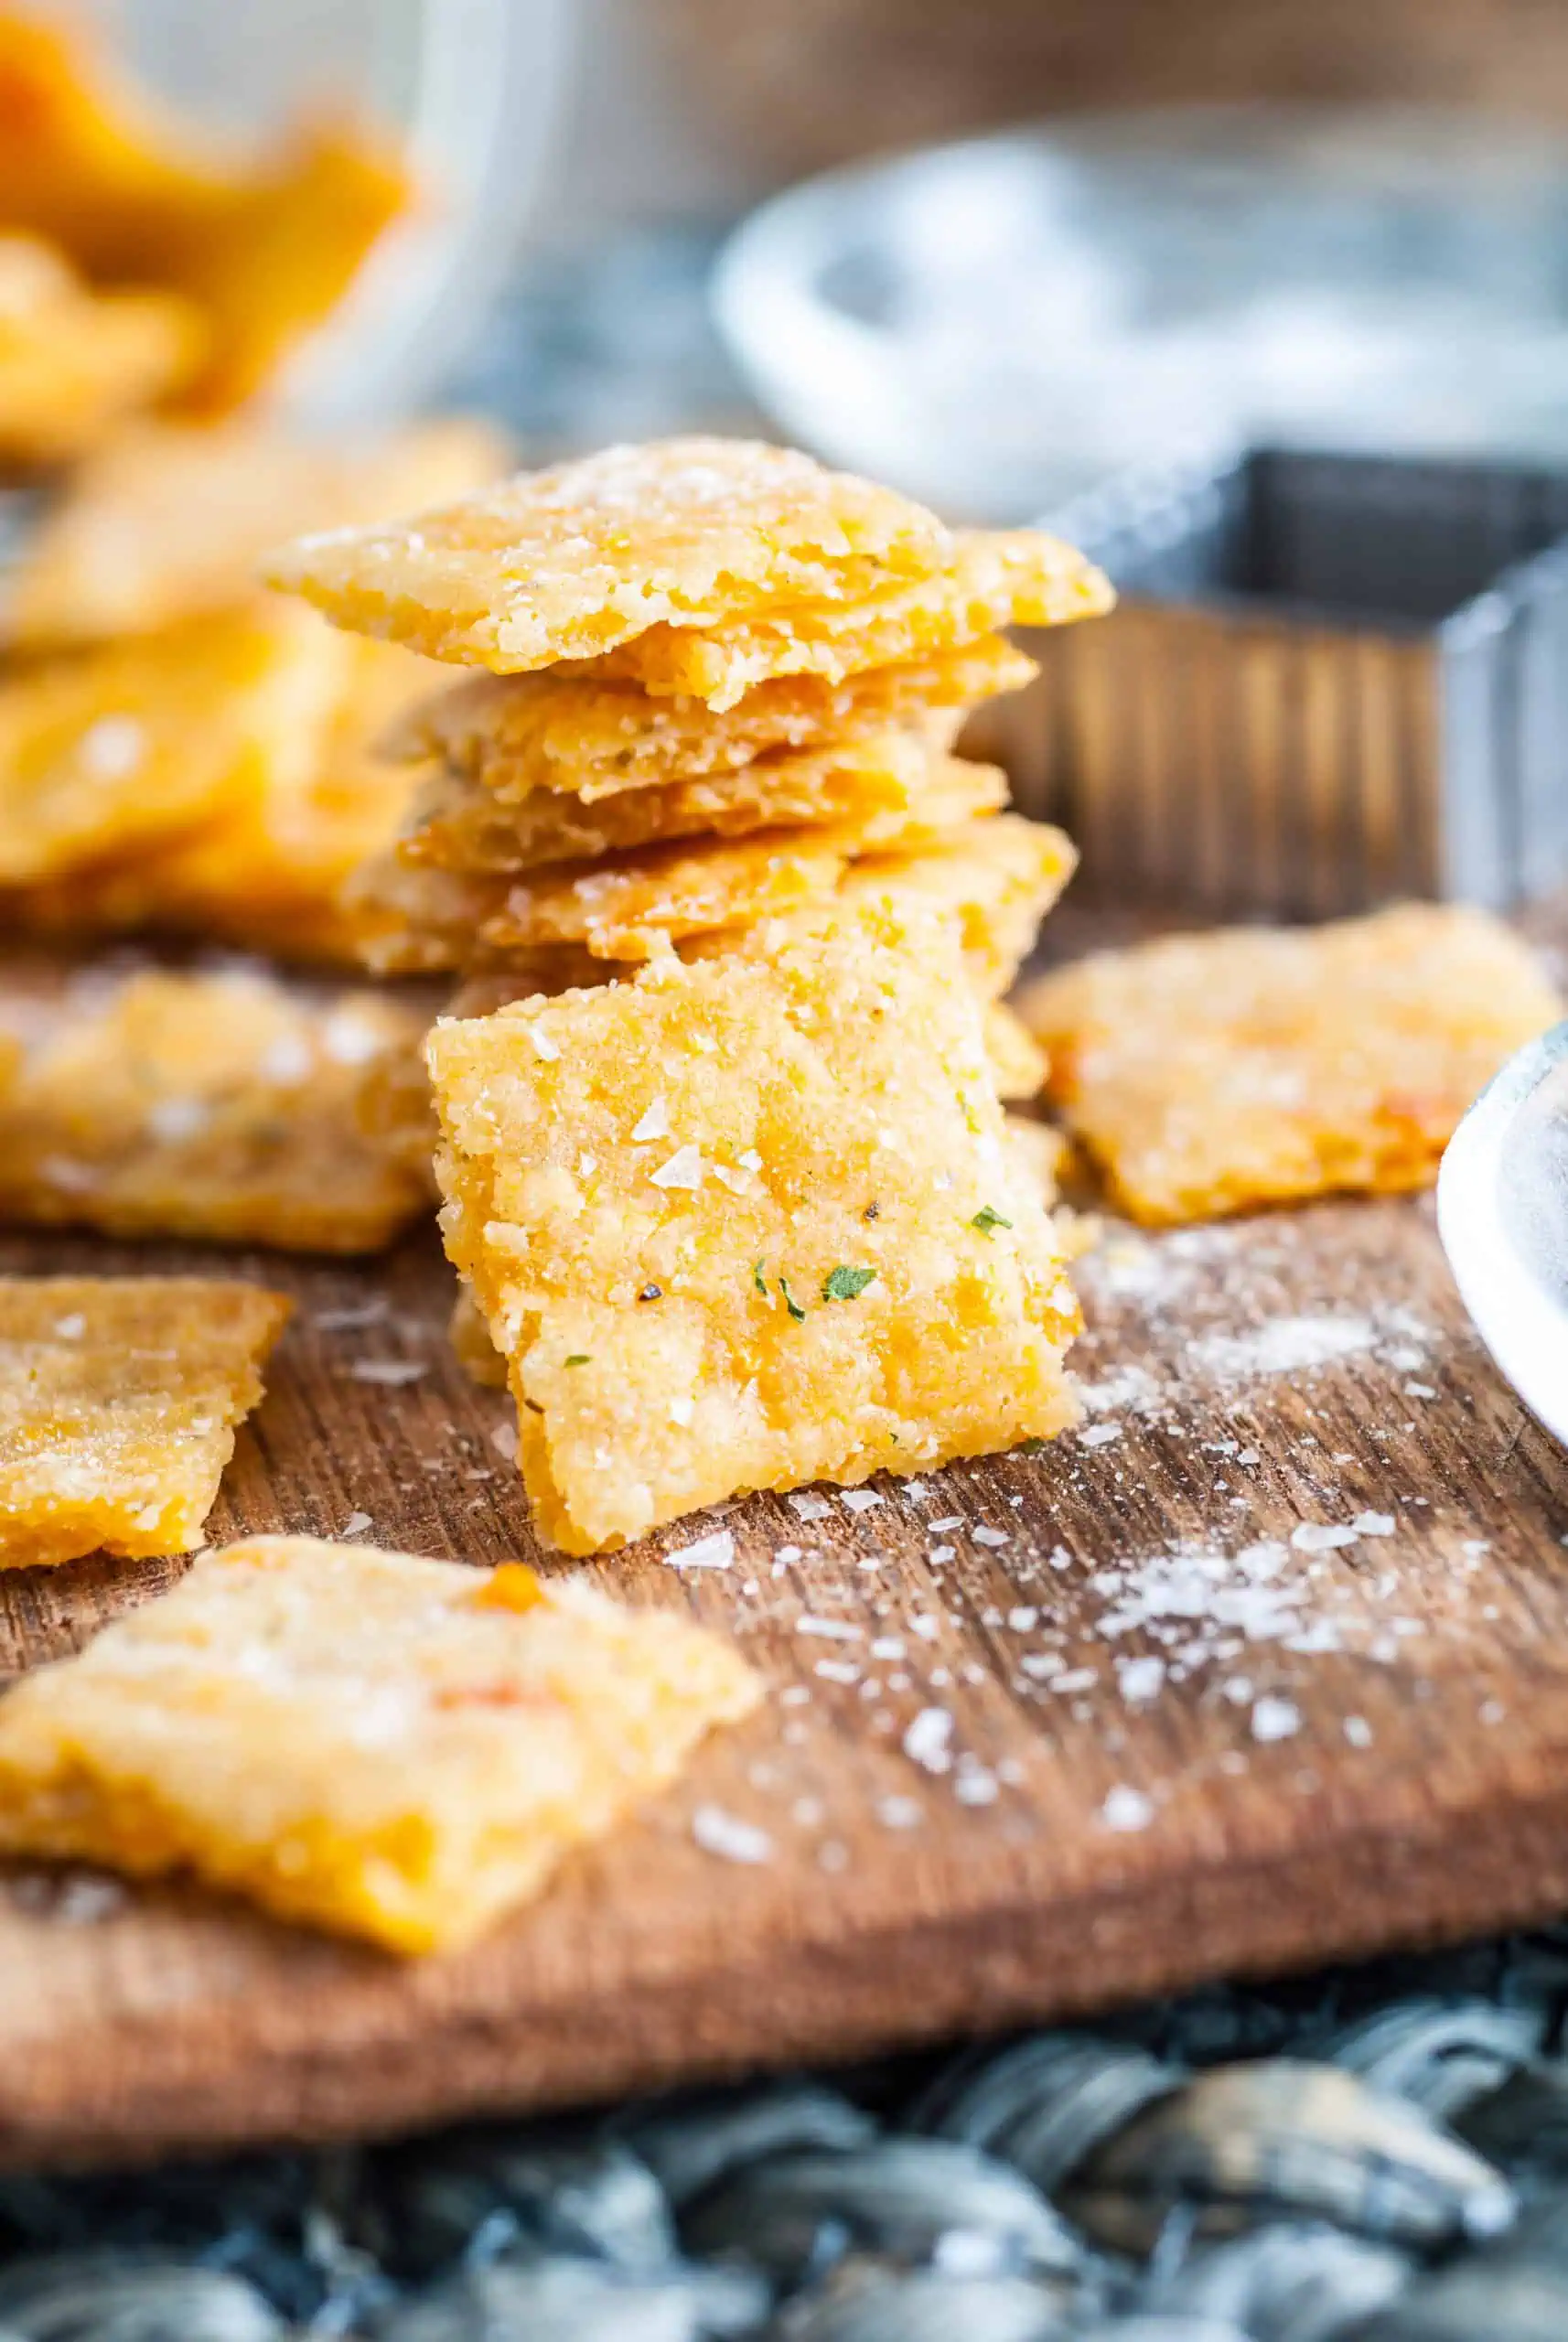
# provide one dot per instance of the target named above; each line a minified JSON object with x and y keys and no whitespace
{"x":569,"y":562}
{"x":221,"y":1107}
{"x":129,"y":744}
{"x":590,"y":738}
{"x":1206,"y":1073}
{"x":118,"y":1401}
{"x":630,"y":906}
{"x":1019,"y":1064}
{"x":268,"y":870}
{"x":73,"y":362}
{"x":990,"y":578}
{"x":748,"y":1224}
{"x":459,"y":825}
{"x":265,"y":245}
{"x":998,"y":878}
{"x":470,"y":1339}
{"x":167,"y":520}
{"x":381,"y":1745}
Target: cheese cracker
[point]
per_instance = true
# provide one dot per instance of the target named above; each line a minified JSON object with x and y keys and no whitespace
{"x":748,"y":1224}
{"x":583,"y":734}
{"x":385,"y":1746}
{"x":118,"y":1402}
{"x":73,"y":362}
{"x":165,"y":520}
{"x":571,"y":562}
{"x":220,"y":1107}
{"x":1206,"y":1073}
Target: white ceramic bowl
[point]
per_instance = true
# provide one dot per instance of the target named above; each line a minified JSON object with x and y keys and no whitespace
{"x":998,"y":325}
{"x":1502,"y":1213}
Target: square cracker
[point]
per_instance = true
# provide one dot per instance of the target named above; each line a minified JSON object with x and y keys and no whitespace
{"x":118,"y":1401}
{"x":1205,"y":1073}
{"x":883,"y":779}
{"x":223,"y":1107}
{"x":587,"y":736}
{"x":165,"y":520}
{"x":989,"y":578}
{"x":385,"y":1746}
{"x":749,"y":1224}
{"x":569,"y":562}
{"x":133,"y":744}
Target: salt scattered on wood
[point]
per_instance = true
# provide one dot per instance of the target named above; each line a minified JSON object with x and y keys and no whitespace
{"x":861,"y":1499}
{"x":1324,"y":1537}
{"x":808,"y":1507}
{"x":715,"y":1552}
{"x":1274,"y":1719}
{"x":1127,"y":1810}
{"x":356,"y":1525}
{"x":926,"y":1741}
{"x":727,"y":1835}
{"x":390,"y":1372}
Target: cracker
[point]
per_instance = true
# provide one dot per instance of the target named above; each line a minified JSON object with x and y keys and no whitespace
{"x":118,"y":1402}
{"x":131,"y":744}
{"x":1042,"y":1150}
{"x":73,"y":363}
{"x":265,"y":245}
{"x":381,"y":1746}
{"x":459,"y":825}
{"x":997,"y":879}
{"x":1018,"y":1064}
{"x":164,"y":520}
{"x":666,"y":1195}
{"x":470,"y":1338}
{"x":990,"y":578}
{"x":1207,"y":1073}
{"x":220,"y":1107}
{"x":572,"y":562}
{"x":591,"y":739}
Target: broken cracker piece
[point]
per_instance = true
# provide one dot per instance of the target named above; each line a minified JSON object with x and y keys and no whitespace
{"x":1206,"y":1073}
{"x":590,"y":738}
{"x":118,"y":1402}
{"x":167,"y":519}
{"x":220,"y":1107}
{"x":569,"y":562}
{"x":381,"y":1746}
{"x":748,"y":1224}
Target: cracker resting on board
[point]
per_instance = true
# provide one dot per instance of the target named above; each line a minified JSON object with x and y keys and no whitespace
{"x":750,"y":1224}
{"x":118,"y":1402}
{"x":386,"y":1746}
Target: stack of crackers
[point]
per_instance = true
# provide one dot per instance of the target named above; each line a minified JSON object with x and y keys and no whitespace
{"x":726,"y":1169}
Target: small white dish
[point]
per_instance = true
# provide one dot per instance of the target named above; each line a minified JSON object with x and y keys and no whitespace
{"x":1502,"y":1214}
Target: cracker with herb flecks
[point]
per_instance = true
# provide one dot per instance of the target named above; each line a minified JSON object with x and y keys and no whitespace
{"x":883,"y":785}
{"x":165,"y":521}
{"x":381,"y":1746}
{"x":118,"y":1402}
{"x":1207,"y":1073}
{"x":571,"y":562}
{"x":74,"y":362}
{"x":221,"y":1107}
{"x":133,"y":744}
{"x":990,"y":578}
{"x":749,"y":1224}
{"x":589,"y":737}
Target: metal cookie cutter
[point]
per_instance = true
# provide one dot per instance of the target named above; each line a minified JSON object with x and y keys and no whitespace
{"x":1332,"y":681}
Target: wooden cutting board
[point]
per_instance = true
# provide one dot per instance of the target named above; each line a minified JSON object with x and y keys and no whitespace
{"x":1047,"y":1732}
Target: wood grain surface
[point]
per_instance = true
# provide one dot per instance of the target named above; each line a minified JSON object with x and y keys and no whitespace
{"x":1045,"y":1732}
